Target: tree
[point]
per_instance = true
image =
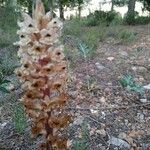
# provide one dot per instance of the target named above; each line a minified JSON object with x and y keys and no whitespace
{"x":112,"y":5}
{"x":131,"y":12}
{"x":146,"y":4}
{"x":79,"y":4}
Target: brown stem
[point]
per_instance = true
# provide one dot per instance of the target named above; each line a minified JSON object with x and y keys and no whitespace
{"x":49,"y":131}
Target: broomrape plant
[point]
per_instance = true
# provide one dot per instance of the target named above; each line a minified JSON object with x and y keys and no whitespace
{"x":43,"y":74}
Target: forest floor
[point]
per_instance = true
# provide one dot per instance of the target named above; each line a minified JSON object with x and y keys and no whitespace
{"x":106,"y":116}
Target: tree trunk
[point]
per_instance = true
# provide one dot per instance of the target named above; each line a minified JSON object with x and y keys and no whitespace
{"x":79,"y":11}
{"x":131,"y":13}
{"x":30,"y":2}
{"x":131,"y":6}
{"x":51,"y":5}
{"x":112,"y":5}
{"x":61,"y":10}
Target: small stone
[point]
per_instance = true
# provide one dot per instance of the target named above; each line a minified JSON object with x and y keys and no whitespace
{"x":147,"y":87}
{"x":93,"y":111}
{"x":122,"y":135}
{"x":126,"y":122}
{"x":101,"y":132}
{"x":10,"y":87}
{"x":140,"y":116}
{"x":142,"y":69}
{"x":134,"y":68}
{"x":110,"y":58}
{"x":79,"y":120}
{"x":143,"y":100}
{"x":102,"y":99}
{"x":99,"y":66}
{"x":119,"y":142}
{"x":124,"y":53}
{"x":3,"y":125}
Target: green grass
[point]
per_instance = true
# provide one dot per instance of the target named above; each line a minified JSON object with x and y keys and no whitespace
{"x":79,"y":33}
{"x":81,"y":143}
{"x":127,"y":36}
{"x":8,"y":26}
{"x":19,"y":119}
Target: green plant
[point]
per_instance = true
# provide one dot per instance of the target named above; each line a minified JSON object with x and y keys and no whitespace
{"x":8,"y":31}
{"x":8,"y":60}
{"x":73,"y":27}
{"x":128,"y":82}
{"x":142,"y":20}
{"x":127,"y":36}
{"x":129,"y":18}
{"x":81,"y":143}
{"x":102,"y":17}
{"x":3,"y":83}
{"x":8,"y":64}
{"x":84,"y":50}
{"x":19,"y":119}
{"x":91,"y":21}
{"x":94,"y":35}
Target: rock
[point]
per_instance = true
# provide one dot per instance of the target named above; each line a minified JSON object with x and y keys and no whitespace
{"x":140,"y":116}
{"x":10,"y":87}
{"x":2,"y":125}
{"x":123,"y":54}
{"x":143,"y":100}
{"x":110,"y":58}
{"x":99,"y":66}
{"x":142,"y":69}
{"x":119,"y":142}
{"x":134,"y":68}
{"x":93,"y":111}
{"x":79,"y":120}
{"x":147,"y":87}
{"x":101,"y":132}
{"x":103,"y":99}
{"x":139,"y":69}
{"x":122,"y":135}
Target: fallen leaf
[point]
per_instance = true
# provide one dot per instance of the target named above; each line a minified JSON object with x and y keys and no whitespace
{"x":134,"y":133}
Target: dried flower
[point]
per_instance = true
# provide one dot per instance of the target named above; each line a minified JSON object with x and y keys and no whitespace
{"x":43,"y":74}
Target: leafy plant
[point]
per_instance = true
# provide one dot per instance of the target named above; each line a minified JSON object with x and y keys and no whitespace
{"x":3,"y":83}
{"x":128,"y":82}
{"x":81,"y":144}
{"x":84,"y":50}
{"x":19,"y":119}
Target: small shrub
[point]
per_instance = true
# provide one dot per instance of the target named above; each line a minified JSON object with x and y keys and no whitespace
{"x":102,"y":17}
{"x":94,"y":35}
{"x":91,"y":21}
{"x":84,"y":50}
{"x":73,"y":27}
{"x":19,"y":119}
{"x":127,"y":36}
{"x":142,"y":20}
{"x":81,"y":144}
{"x":128,"y":82}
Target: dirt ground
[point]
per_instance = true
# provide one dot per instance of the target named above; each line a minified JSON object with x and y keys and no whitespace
{"x":112,"y":117}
